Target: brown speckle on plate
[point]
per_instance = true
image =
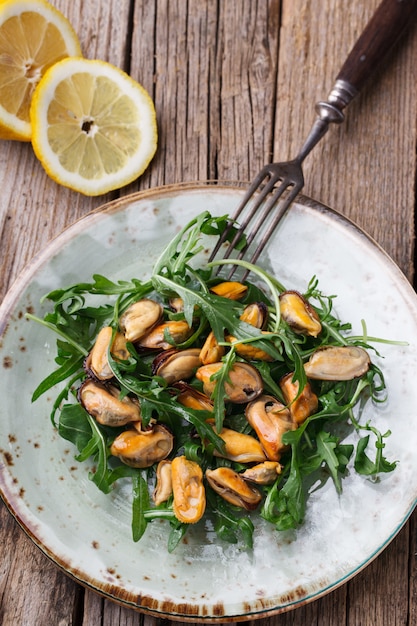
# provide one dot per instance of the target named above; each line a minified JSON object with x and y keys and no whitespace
{"x":8,"y":458}
{"x":7,"y":362}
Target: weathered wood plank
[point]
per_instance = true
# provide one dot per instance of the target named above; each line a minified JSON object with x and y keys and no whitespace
{"x":34,"y":209}
{"x":352,"y":168}
{"x":412,"y":583}
{"x":381,"y":591}
{"x":32,"y":589}
{"x":212,"y":89}
{"x":247,"y":75}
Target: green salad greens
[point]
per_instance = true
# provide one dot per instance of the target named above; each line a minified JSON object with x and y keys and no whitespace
{"x":167,"y":416}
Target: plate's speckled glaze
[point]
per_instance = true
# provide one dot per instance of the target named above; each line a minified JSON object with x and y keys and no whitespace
{"x":88,"y":533}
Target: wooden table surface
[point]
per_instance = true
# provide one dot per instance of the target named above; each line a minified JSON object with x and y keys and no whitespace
{"x":234,"y":84}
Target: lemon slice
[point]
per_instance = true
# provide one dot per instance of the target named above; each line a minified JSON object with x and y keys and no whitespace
{"x":33,"y":36}
{"x":94,"y":127}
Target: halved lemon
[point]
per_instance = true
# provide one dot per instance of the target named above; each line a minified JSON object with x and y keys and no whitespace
{"x":94,"y":127}
{"x":33,"y":36}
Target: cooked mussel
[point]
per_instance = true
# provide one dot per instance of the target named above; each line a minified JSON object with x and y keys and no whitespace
{"x":249,"y":350}
{"x":105,"y":404}
{"x":189,"y":501}
{"x":176,"y":304}
{"x":212,"y":351}
{"x":301,"y":404}
{"x":233,"y":488}
{"x":240,"y":447}
{"x":232,"y":290}
{"x":255,"y":314}
{"x":166,"y":335}
{"x":192,"y":398}
{"x":163,"y":487}
{"x":143,"y":449}
{"x":97,"y":362}
{"x":270,"y":419}
{"x":264,"y":473}
{"x":337,"y":363}
{"x":298,"y":313}
{"x":139,"y":318}
{"x":175,"y":365}
{"x":243,"y":385}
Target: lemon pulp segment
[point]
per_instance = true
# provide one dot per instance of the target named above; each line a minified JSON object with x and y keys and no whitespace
{"x":33,"y":36}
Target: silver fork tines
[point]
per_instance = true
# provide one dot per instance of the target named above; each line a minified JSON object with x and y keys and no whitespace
{"x":264,"y":204}
{"x":257,"y":215}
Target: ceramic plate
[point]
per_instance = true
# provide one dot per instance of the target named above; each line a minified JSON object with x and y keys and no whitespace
{"x":88,"y":534}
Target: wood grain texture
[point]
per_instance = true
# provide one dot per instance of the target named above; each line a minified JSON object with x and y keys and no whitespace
{"x":34,"y":209}
{"x":234,"y":84}
{"x":373,"y":152}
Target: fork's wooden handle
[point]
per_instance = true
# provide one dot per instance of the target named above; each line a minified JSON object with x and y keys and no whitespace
{"x":380,"y":34}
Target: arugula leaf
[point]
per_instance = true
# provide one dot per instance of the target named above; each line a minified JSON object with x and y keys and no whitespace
{"x":229,"y":523}
{"x":60,"y":329}
{"x":285,"y":502}
{"x":77,"y":426}
{"x":100,"y":286}
{"x":292,"y":497}
{"x":140,"y":504}
{"x":334,"y":457}
{"x":70,"y":366}
{"x":177,"y":533}
{"x":62,"y":397}
{"x":186,"y":244}
{"x":219,"y":393}
{"x":74,"y":425}
{"x":363,"y":464}
{"x":101,"y":474}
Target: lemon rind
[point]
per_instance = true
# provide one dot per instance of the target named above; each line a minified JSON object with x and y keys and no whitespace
{"x":136,"y":163}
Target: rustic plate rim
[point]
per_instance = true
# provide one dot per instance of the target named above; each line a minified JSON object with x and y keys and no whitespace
{"x":24,"y":278}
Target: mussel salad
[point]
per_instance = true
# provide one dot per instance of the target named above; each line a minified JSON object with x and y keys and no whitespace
{"x":218,"y":400}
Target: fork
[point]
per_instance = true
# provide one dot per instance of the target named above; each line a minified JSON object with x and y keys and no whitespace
{"x":264,"y":204}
